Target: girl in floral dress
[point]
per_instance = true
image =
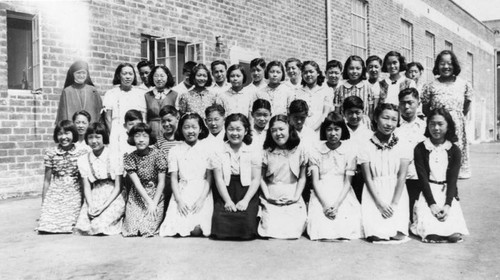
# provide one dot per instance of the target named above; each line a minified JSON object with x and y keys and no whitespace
{"x":61,"y":195}
{"x":146,"y":167}
{"x":455,"y":95}
{"x":101,"y":174}
{"x":276,"y":92}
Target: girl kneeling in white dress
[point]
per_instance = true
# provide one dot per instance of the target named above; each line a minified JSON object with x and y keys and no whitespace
{"x":438,"y":215}
{"x":191,"y":205}
{"x":334,"y":211}
{"x":284,"y":176}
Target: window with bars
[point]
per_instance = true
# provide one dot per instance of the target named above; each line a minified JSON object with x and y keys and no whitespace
{"x":448,"y":46}
{"x":359,"y":43}
{"x":23,"y":51}
{"x":407,"y":40}
{"x":171,"y":53}
{"x":430,"y":47}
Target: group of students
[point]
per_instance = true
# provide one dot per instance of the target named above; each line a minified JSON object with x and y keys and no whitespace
{"x":275,"y":159}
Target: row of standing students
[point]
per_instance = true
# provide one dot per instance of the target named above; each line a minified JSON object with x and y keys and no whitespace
{"x":280,"y":169}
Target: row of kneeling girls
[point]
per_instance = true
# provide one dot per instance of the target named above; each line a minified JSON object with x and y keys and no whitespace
{"x":233,"y":187}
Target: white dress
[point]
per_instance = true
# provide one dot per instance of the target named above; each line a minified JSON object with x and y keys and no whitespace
{"x":317,"y":98}
{"x":384,"y":163}
{"x":333,"y":166}
{"x":191,"y":163}
{"x":425,"y":223}
{"x":283,"y":170}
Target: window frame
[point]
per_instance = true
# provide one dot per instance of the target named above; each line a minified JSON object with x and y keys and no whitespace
{"x":448,"y":45}
{"x":359,"y":49}
{"x":407,"y":40}
{"x":430,"y":53}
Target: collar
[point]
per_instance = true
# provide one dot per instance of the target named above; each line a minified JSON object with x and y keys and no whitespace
{"x":233,"y":92}
{"x":358,"y":85}
{"x":60,"y":151}
{"x":431,"y":147}
{"x":323,"y":148}
{"x":103,"y":155}
{"x":283,"y":152}
{"x":417,"y":121}
{"x":393,"y":140}
{"x":397,"y":82}
{"x":244,"y":148}
{"x":225,"y":84}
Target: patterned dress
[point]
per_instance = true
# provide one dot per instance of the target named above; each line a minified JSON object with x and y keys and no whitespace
{"x":147,"y":167}
{"x":63,"y":199}
{"x":452,"y":97}
{"x":197,"y":102}
{"x":101,"y":172}
{"x":362,"y":90}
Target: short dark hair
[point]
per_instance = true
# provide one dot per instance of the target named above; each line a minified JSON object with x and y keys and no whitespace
{"x":97,"y":128}
{"x":188,"y":116}
{"x":337,"y":120}
{"x":218,"y":62}
{"x":170,"y":79}
{"x":270,"y":65}
{"x":401,"y":59}
{"x":258,"y":62}
{"x":144,"y":63}
{"x":247,"y":139}
{"x":293,"y":136}
{"x":353,"y":101}
{"x":333,"y":64}
{"x":454,"y":62}
{"x":408,"y":91}
{"x":169,"y":110}
{"x":298,"y":106}
{"x":76,"y":66}
{"x":235,"y":67}
{"x":215,"y":108}
{"x":416,"y":64}
{"x":83,"y":113}
{"x":321,"y":77}
{"x":380,"y":108}
{"x":65,"y":125}
{"x":141,"y":127}
{"x":451,"y":134}
{"x":188,"y":67}
{"x":197,"y":68}
{"x":292,"y":60}
{"x":132,"y":115}
{"x":373,"y":58}
{"x":116,"y":77}
{"x":350,"y":59}
{"x":261,"y":104}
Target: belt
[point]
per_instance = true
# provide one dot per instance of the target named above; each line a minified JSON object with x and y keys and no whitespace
{"x":437,"y":182}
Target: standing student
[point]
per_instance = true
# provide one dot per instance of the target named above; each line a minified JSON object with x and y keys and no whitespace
{"x":101,"y":177}
{"x":313,"y":92}
{"x":334,"y":212}
{"x":199,"y":96}
{"x":373,"y":66}
{"x":438,"y":215}
{"x":79,"y":94}
{"x":237,"y":98}
{"x":283,"y":179}
{"x":298,"y":115}
{"x":81,"y":120}
{"x":191,"y":206}
{"x":214,"y":118}
{"x":384,"y":162}
{"x":257,"y":68}
{"x":161,"y":95}
{"x":333,"y":74}
{"x":237,"y":173}
{"x":144,"y":67}
{"x":411,"y":129}
{"x":455,"y":95}
{"x":184,"y":86}
{"x":220,"y":85}
{"x":146,"y":168}
{"x":394,"y":63}
{"x":414,"y":71}
{"x":119,"y":100}
{"x":261,"y":113}
{"x":131,"y":118}
{"x":355,"y":84}
{"x":360,"y":133}
{"x":293,"y":66}
{"x":61,"y":194}
{"x":275,"y":92}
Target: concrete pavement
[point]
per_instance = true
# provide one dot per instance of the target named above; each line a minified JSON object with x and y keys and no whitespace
{"x":26,"y":255}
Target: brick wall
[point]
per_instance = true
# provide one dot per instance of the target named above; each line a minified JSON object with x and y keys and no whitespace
{"x":106,"y":33}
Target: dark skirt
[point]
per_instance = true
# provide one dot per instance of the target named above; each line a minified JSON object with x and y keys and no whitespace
{"x":234,"y":225}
